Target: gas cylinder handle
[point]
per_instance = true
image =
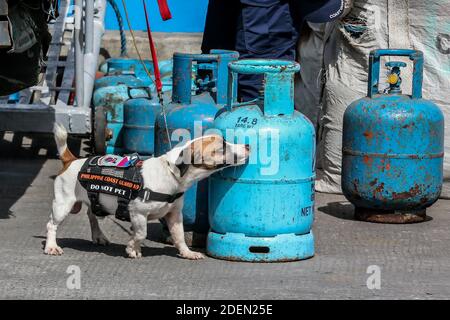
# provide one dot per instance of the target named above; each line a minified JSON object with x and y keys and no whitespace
{"x":144,"y":88}
{"x":374,"y":69}
{"x":278,"y":83}
{"x":214,"y":56}
{"x":182,"y":70}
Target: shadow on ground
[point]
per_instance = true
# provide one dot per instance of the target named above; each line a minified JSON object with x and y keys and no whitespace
{"x":154,"y":233}
{"x":112,"y":250}
{"x":340,"y":209}
{"x":346,"y":211}
{"x":17,"y":172}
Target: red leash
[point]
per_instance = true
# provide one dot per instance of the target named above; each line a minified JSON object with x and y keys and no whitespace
{"x":153,"y":50}
{"x":164,"y":10}
{"x":165,"y":14}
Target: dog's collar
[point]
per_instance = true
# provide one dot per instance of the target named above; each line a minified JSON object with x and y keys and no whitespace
{"x":149,"y":195}
{"x":183,"y":168}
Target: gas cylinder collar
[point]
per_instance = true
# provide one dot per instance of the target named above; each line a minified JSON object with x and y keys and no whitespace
{"x":394,"y":79}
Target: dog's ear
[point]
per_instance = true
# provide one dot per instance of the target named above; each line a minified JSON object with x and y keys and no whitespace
{"x":197,"y":152}
{"x":210,"y":151}
{"x":180,"y":157}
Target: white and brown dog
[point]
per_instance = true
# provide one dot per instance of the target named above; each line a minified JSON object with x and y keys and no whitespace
{"x":201,"y":157}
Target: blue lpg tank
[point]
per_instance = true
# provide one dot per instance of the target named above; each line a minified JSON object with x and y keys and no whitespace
{"x":112,"y":98}
{"x":112,"y":90}
{"x":114,"y":80}
{"x":393,"y":147}
{"x":263,"y":211}
{"x":200,"y":84}
{"x":115,"y":67}
{"x":139,"y":125}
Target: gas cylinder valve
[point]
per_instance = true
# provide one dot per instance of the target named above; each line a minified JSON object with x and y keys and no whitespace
{"x":394,"y":78}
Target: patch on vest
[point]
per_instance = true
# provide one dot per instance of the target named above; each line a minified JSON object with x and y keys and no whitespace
{"x":111,"y":160}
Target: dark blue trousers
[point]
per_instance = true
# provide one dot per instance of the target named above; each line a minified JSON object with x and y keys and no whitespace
{"x":265,"y":29}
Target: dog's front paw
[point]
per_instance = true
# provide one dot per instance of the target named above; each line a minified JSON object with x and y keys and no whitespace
{"x":53,"y":251}
{"x":192,"y":255}
{"x":132,"y":253}
{"x":100,"y":239}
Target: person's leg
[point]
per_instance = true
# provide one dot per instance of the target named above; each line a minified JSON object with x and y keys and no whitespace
{"x":266,"y":31}
{"x":220,"y":25}
{"x":309,"y":82}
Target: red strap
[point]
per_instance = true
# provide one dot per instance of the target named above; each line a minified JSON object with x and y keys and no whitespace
{"x":164,"y":10}
{"x":153,"y":50}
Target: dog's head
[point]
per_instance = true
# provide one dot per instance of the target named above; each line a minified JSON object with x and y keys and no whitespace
{"x":201,"y":157}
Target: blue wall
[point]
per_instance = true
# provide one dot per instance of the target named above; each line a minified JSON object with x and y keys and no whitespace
{"x":187,"y":16}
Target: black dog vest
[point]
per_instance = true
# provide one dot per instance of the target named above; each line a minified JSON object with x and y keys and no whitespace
{"x":117,"y":176}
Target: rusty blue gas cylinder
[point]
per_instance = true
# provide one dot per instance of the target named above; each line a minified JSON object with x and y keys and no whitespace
{"x":200,"y":84}
{"x":263,"y":211}
{"x":393,"y":147}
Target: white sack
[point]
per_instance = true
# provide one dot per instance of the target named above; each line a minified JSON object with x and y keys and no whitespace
{"x":309,"y":81}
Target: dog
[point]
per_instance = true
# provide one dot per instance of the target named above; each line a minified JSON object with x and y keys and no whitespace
{"x":171,"y":173}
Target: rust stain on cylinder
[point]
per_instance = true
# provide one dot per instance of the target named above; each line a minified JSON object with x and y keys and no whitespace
{"x":368,"y":134}
{"x":367,"y":160}
{"x":414,"y":191}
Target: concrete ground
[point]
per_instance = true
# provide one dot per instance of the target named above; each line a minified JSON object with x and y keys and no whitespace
{"x":414,"y":259}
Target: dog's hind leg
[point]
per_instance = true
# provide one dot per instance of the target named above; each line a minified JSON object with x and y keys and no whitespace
{"x":63,"y":203}
{"x":97,"y":235}
{"x":139,"y":224}
{"x":175,"y":224}
{"x":60,"y":210}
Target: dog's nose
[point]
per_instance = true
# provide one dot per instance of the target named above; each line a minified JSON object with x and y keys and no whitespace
{"x":247,"y":147}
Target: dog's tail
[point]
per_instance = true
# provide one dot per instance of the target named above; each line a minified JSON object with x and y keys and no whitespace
{"x":65,"y":155}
